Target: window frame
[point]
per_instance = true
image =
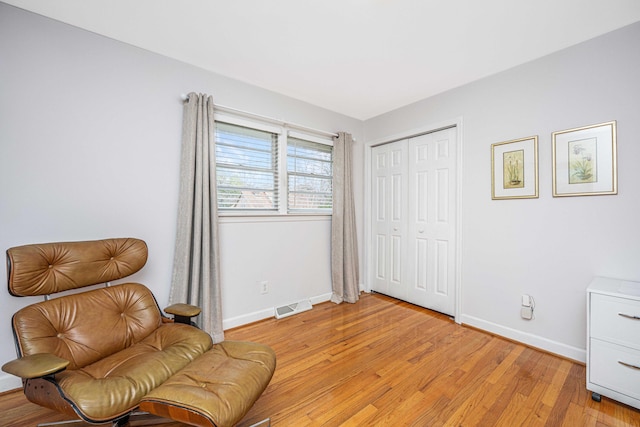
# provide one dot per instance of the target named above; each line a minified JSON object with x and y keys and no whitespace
{"x":282,"y":131}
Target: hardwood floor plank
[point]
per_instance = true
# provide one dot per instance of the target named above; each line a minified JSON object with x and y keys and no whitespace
{"x":383,"y":362}
{"x":514,"y":353}
{"x":538,"y":417}
{"x":577,"y":415}
{"x":559,"y":377}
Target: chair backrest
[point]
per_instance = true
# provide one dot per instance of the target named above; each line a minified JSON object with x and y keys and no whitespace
{"x":88,"y":326}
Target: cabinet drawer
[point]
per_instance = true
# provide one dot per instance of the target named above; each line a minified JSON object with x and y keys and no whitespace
{"x":612,"y":319}
{"x":606,"y":369}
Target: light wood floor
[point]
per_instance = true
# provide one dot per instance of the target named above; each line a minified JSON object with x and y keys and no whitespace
{"x":382,"y":362}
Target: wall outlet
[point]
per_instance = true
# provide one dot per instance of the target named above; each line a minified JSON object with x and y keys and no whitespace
{"x":526,"y":311}
{"x":264,"y":287}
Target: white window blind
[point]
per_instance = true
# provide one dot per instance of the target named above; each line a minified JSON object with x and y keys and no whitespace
{"x":246,"y":168}
{"x":309,"y":176}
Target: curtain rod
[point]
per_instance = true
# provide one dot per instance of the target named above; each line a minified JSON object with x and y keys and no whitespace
{"x":225,"y":109}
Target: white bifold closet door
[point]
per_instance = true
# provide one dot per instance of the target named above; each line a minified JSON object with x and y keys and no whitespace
{"x":413,"y":220}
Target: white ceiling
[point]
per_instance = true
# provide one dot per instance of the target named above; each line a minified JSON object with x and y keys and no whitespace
{"x":357,"y":57}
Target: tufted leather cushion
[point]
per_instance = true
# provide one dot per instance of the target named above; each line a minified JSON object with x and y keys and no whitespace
{"x":47,"y":268}
{"x":87,"y":327}
{"x":115,"y":384}
{"x":218,"y":388}
{"x":117,"y":343}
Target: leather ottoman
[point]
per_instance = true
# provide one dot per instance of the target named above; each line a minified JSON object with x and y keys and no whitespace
{"x":218,"y":388}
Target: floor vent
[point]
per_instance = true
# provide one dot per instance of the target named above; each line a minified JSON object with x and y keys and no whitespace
{"x":291,"y":309}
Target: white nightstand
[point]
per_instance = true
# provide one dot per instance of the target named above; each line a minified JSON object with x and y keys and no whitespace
{"x":613,"y":340}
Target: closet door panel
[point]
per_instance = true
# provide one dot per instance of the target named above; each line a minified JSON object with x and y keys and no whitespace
{"x":431,"y":220}
{"x":380,"y":226}
{"x":389,"y":220}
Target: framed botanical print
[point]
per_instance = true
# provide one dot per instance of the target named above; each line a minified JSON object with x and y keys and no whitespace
{"x":584,"y":161}
{"x":514,"y":169}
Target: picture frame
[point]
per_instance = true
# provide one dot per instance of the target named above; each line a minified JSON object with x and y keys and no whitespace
{"x":585,"y":161}
{"x":514,"y":169}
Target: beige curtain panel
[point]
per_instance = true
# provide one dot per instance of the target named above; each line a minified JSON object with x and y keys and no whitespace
{"x":196,"y":271}
{"x":344,"y":245}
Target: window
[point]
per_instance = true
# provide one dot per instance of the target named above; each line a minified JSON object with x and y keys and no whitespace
{"x":267,"y":169}
{"x":246,"y":168}
{"x":309,"y":175}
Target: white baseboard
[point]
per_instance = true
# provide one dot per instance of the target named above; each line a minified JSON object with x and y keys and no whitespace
{"x":570,"y":352}
{"x":256,"y":316}
{"x":245,"y":319}
{"x":321,"y":298}
{"x":9,"y":382}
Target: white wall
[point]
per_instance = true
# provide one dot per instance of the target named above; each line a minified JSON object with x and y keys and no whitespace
{"x":547,"y":247}
{"x":89,"y":148}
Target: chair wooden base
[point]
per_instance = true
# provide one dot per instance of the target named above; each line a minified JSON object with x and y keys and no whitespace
{"x":133,"y":420}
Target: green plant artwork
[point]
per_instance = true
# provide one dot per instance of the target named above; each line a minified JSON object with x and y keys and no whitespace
{"x":582,"y":161}
{"x":513,"y":169}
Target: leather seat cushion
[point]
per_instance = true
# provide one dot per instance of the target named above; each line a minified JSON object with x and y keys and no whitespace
{"x":116,"y":383}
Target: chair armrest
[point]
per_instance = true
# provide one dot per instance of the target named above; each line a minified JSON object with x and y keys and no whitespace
{"x":183,"y":312}
{"x":35,"y":366}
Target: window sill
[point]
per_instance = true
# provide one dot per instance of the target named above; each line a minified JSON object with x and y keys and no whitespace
{"x":225,"y":218}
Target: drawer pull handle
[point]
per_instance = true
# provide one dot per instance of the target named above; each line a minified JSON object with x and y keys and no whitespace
{"x":629,"y":365}
{"x":629,"y":316}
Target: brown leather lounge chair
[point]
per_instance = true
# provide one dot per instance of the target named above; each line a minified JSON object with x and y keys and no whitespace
{"x":104,"y":353}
